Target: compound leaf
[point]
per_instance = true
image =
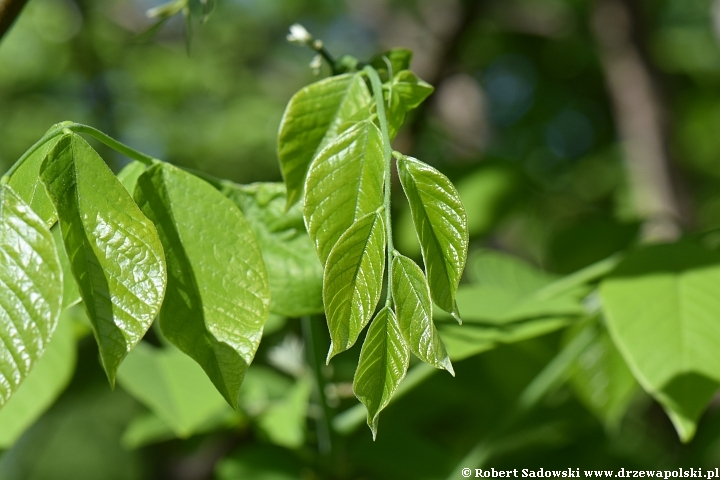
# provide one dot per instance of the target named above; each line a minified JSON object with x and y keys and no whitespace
{"x":411,"y":294}
{"x":218,"y":298}
{"x":31,"y":293}
{"x":114,"y":250}
{"x":345,"y":182}
{"x":313,"y":118}
{"x":441,"y":225}
{"x":353,"y":280}
{"x":384,"y":360}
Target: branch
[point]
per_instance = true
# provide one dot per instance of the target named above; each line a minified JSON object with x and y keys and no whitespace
{"x":9,"y":11}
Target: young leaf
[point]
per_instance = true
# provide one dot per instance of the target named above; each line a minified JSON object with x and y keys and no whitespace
{"x":130,"y":173}
{"x":218,"y":297}
{"x":406,"y":92}
{"x":399,"y":59}
{"x":662,"y":313}
{"x":353,"y":280}
{"x":312,"y":118}
{"x":384,"y":360}
{"x":441,"y":226}
{"x":114,"y":250}
{"x":294,"y":271}
{"x":411,"y":294}
{"x":31,"y":294}
{"x":26,"y":182}
{"x":345,"y":182}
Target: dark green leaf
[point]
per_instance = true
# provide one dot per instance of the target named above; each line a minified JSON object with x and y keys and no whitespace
{"x":218,"y":296}
{"x":353,"y":280}
{"x":31,"y":293}
{"x":406,"y":92}
{"x":311,"y":121}
{"x":662,"y":313}
{"x":345,"y":182}
{"x":384,"y":360}
{"x":294,"y":271}
{"x":441,"y":226}
{"x":411,"y":294}
{"x":115,"y":253}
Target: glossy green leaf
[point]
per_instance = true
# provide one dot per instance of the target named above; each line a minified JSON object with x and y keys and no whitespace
{"x":353,"y":280}
{"x":405,"y":92}
{"x":172,"y":386}
{"x":441,"y":226}
{"x":312,"y":119}
{"x":71,"y":292}
{"x":284,"y":421}
{"x":26,"y":182}
{"x":218,"y":297}
{"x":384,"y":361}
{"x":45,"y":383}
{"x":662,"y":313}
{"x":413,"y":308}
{"x":31,"y":293}
{"x":115,"y":253}
{"x":130,"y":173}
{"x":294,"y":271}
{"x":345,"y":182}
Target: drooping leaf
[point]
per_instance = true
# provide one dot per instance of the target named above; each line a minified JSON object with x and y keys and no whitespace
{"x":441,"y":226}
{"x":353,"y":280}
{"x":405,"y":92}
{"x":284,"y":421}
{"x":172,"y":386}
{"x":31,"y":293}
{"x":26,"y":182}
{"x":312,"y":119}
{"x":384,"y":361}
{"x":398,"y":58}
{"x":294,"y":271}
{"x":114,"y":250}
{"x":345,"y":182}
{"x":130,"y":173}
{"x":45,"y":383}
{"x":218,"y":297}
{"x":413,"y":308}
{"x":662,"y":314}
{"x":71,"y":292}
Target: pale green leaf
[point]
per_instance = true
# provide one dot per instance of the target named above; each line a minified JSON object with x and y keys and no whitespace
{"x":398,"y":58}
{"x":345,"y":182}
{"x":130,"y":173}
{"x":31,"y":293}
{"x":218,"y":297}
{"x":45,"y":383}
{"x":71,"y":292}
{"x":294,"y":271}
{"x":312,"y":119}
{"x":441,"y":226}
{"x":284,"y":421}
{"x":353,"y":281}
{"x":26,"y":182}
{"x":662,"y":313}
{"x":173,"y":387}
{"x":383,"y":363}
{"x":114,"y":250}
{"x":405,"y":92}
{"x":413,"y":308}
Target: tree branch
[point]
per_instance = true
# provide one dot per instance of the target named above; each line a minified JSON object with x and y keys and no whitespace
{"x":9,"y":11}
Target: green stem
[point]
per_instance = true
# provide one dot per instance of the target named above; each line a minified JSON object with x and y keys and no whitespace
{"x":387,"y":154}
{"x":80,"y":128}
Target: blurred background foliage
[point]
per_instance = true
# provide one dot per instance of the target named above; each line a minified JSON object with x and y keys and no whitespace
{"x":532,"y":100}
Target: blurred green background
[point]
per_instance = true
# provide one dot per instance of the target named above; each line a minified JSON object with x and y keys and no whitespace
{"x":571,"y":128}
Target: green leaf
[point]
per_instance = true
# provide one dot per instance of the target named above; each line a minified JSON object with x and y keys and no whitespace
{"x":130,"y":173}
{"x":294,"y":271}
{"x":413,"y":307}
{"x":173,"y":387}
{"x":406,"y":92}
{"x":399,"y":59}
{"x":31,"y":294}
{"x":441,"y":226}
{"x":662,"y":313}
{"x":353,"y":281}
{"x":26,"y":182}
{"x":218,"y":296}
{"x":384,"y":361}
{"x":345,"y":182}
{"x":312,"y":119}
{"x":45,"y":383}
{"x":284,"y":421}
{"x":71,"y":292}
{"x":115,"y":253}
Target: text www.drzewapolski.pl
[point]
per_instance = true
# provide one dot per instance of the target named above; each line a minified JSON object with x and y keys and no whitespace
{"x":578,"y":473}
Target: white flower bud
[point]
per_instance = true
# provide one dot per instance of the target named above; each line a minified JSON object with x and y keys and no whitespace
{"x":298,"y":35}
{"x":315,"y":64}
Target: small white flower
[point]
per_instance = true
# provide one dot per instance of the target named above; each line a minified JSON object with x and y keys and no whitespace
{"x":315,"y":64}
{"x":298,"y":35}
